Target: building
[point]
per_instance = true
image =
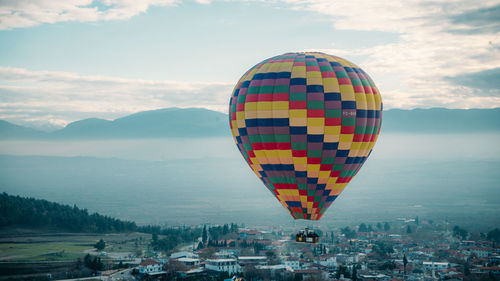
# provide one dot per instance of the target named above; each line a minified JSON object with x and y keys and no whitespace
{"x":377,"y":277}
{"x":293,"y":263}
{"x":223,"y":265}
{"x":226,"y":254}
{"x":328,"y":261}
{"x":254,"y":260}
{"x":150,"y":266}
{"x":191,"y":262}
{"x":481,"y":252}
{"x":428,"y":265}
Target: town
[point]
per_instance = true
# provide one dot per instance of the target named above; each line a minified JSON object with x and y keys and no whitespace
{"x":406,"y":249}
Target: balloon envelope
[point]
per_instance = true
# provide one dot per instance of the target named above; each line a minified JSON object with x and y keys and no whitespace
{"x":305,"y":123}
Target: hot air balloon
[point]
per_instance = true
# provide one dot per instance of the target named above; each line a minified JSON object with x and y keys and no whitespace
{"x":305,"y":123}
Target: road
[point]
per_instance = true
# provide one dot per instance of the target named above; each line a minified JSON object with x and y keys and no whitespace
{"x":119,"y":275}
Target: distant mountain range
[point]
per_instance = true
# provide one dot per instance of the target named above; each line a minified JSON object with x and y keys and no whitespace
{"x":168,"y":122}
{"x":197,"y":122}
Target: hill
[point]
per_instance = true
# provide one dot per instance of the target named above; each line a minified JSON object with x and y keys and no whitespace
{"x":35,"y":213}
{"x":12,"y":131}
{"x":198,"y":122}
{"x":168,"y":122}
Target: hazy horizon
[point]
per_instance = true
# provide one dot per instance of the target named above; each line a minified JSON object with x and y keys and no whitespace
{"x":191,"y":181}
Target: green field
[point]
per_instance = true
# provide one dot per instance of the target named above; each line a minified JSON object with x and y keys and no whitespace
{"x":42,"y":251}
{"x":67,"y":246}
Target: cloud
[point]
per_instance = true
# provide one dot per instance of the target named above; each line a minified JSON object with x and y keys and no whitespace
{"x":26,"y":13}
{"x":486,"y":20}
{"x":487,"y":80}
{"x":436,"y":42}
{"x":62,"y":97}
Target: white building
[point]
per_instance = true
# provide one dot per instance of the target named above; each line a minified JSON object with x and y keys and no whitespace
{"x":150,"y":266}
{"x":255,"y":260}
{"x":292,"y":263}
{"x":437,"y":265}
{"x":378,"y":277}
{"x":226,"y":254}
{"x":189,"y":261}
{"x":328,"y":261}
{"x":223,"y":265}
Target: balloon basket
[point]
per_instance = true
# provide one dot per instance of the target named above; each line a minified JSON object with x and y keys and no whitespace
{"x":307,"y":236}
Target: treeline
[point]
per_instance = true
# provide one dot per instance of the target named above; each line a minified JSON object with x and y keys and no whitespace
{"x":493,"y":235}
{"x":36,"y":213}
{"x":172,"y":237}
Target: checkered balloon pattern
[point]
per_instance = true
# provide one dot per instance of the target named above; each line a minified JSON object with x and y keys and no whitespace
{"x":305,"y":123}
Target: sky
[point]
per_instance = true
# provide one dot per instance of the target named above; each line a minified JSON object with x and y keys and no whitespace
{"x":62,"y":61}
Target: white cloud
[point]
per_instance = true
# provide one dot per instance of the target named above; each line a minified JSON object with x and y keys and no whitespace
{"x":431,"y":48}
{"x":26,"y":13}
{"x":61,"y":97}
{"x":411,"y":72}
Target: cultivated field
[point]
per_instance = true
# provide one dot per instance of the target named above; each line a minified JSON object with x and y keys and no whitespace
{"x":27,"y":245}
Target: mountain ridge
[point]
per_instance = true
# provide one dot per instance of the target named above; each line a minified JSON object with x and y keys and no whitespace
{"x":200,"y":122}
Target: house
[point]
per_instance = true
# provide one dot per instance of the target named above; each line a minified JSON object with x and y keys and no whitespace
{"x":292,"y":262}
{"x":190,"y":262}
{"x":481,"y":252}
{"x":495,"y":260}
{"x":428,"y":265}
{"x":254,"y":260}
{"x":230,"y":266}
{"x":487,"y":270}
{"x":274,"y":271}
{"x":250,"y":234}
{"x":377,"y":277}
{"x":309,"y":273}
{"x":328,"y":261}
{"x":226,"y":254}
{"x":150,"y":266}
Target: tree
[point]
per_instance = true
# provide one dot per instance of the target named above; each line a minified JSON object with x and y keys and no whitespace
{"x":272,"y":258}
{"x":460,"y":232}
{"x":138,"y":252}
{"x":100,"y":245}
{"x":494,"y":235}
{"x":233,"y":228}
{"x":342,"y":270}
{"x":348,"y":232}
{"x":207,"y":253}
{"x":389,"y":265}
{"x":405,"y":262}
{"x":172,"y":267}
{"x":93,"y":263}
{"x":204,"y":235}
{"x":387,"y":226}
{"x":466,"y":269}
{"x":379,"y":226}
{"x":362,"y":228}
